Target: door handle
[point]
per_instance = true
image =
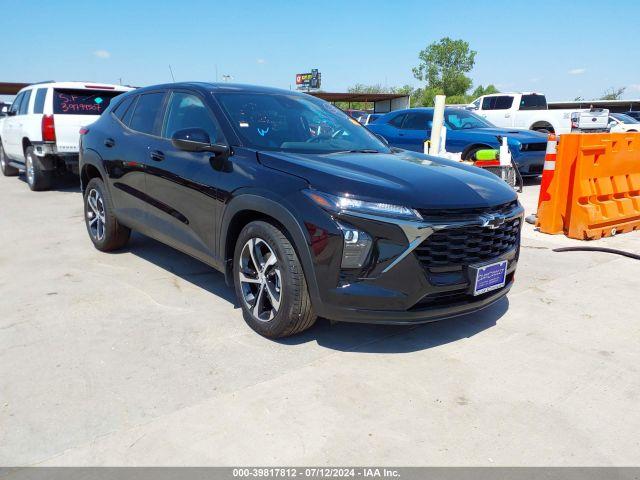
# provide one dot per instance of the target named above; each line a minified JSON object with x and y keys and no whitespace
{"x":109,"y":142}
{"x":156,"y":155}
{"x":401,"y":134}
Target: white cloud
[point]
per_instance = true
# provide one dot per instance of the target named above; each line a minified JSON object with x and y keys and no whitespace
{"x":577,"y":71}
{"x":261,"y":61}
{"x":102,"y":54}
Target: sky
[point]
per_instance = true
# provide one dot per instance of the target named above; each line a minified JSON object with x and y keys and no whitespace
{"x":565,"y":48}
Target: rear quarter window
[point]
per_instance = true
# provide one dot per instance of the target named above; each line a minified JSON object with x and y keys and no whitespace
{"x":81,"y":102}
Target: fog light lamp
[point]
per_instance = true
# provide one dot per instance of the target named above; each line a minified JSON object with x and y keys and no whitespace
{"x":356,"y":246}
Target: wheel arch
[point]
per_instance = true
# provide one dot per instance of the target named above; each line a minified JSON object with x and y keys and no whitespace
{"x":249,"y":207}
{"x":26,"y":143}
{"x":90,"y":167}
{"x":542,"y":124}
{"x":475,"y":146}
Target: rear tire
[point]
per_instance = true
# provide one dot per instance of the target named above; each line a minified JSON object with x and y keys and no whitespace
{"x":37,"y":179}
{"x":7,"y":170}
{"x":104,"y":230}
{"x":269,"y":282}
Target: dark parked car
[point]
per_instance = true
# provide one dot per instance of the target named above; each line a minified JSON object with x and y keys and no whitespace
{"x":306,"y":212}
{"x":466,"y":133}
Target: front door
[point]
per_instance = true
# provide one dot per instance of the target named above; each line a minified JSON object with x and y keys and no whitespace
{"x":416,"y":129}
{"x":183,"y":209}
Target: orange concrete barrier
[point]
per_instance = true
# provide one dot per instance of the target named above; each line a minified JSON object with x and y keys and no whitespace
{"x":595,"y":191}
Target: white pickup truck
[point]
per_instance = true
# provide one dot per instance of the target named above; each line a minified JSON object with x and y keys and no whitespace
{"x":40,"y":133}
{"x":528,"y":110}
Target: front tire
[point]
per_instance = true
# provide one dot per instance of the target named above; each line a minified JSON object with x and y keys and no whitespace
{"x":7,"y":170}
{"x":105,"y":231}
{"x":269,"y":282}
{"x":37,"y":179}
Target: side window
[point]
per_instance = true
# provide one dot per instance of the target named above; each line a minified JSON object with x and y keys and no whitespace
{"x":24,"y":105}
{"x":15,"y":106}
{"x":397,"y":120}
{"x":476,"y":103}
{"x":418,"y":121}
{"x":186,"y":110}
{"x":41,"y":95}
{"x":497,"y":103}
{"x":121,"y":110}
{"x":503,"y":103}
{"x":145,"y":115}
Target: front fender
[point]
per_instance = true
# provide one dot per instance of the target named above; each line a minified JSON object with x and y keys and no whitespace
{"x":276,"y":209}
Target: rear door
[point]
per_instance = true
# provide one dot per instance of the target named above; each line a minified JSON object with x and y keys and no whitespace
{"x":181,"y":184}
{"x":75,"y":108}
{"x":134,"y":129}
{"x":415,"y":130}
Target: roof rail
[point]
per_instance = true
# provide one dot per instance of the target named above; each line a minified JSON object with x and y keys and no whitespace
{"x":44,"y":81}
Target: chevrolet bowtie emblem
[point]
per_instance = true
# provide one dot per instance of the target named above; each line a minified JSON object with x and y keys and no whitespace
{"x":492,"y":222}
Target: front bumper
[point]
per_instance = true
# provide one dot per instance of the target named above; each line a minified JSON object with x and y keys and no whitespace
{"x":530,"y":163}
{"x":408,"y":291}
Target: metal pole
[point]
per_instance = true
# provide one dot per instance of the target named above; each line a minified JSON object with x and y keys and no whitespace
{"x":438,"y":120}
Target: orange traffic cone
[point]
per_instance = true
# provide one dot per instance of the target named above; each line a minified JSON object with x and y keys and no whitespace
{"x":549,"y":168}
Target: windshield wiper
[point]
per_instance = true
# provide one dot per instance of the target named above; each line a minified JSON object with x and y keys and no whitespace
{"x":364,"y":150}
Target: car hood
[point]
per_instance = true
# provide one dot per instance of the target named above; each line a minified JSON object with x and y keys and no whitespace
{"x":522,"y":136}
{"x":403,"y":178}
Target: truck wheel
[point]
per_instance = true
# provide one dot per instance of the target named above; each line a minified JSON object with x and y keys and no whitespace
{"x":103,"y":227}
{"x":7,"y":170}
{"x":269,"y":282}
{"x":37,"y":179}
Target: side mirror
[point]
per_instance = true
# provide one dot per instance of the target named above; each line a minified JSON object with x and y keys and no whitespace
{"x":197,"y":140}
{"x":11,"y":113}
{"x":382,"y":139}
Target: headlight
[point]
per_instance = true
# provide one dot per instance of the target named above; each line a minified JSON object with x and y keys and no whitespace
{"x":348,"y":204}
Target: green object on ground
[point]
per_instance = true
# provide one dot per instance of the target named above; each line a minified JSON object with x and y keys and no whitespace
{"x":487,"y":154}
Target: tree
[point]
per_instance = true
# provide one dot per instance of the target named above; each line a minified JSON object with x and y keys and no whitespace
{"x":480,"y":91}
{"x":443,"y":66}
{"x":613,"y":93}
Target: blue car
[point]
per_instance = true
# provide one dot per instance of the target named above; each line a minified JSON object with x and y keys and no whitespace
{"x":466,"y":133}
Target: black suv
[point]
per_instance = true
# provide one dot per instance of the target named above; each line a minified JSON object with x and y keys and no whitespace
{"x":304,"y":210}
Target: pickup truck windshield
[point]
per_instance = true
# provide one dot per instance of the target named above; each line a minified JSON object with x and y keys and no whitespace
{"x":624,"y":118}
{"x":295,"y":123}
{"x":459,"y":119}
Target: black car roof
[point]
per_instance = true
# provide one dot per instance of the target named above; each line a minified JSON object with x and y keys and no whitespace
{"x":221,"y":87}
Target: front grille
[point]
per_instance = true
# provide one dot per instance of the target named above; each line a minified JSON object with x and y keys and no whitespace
{"x":455,"y":247}
{"x":535,"y":168}
{"x":457,"y":213}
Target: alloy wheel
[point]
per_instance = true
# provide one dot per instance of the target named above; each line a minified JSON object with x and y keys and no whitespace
{"x":95,"y":214}
{"x":3,"y":163}
{"x":260,"y":279}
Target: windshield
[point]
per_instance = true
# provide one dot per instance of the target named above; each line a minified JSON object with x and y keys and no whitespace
{"x":458,"y":119}
{"x":295,"y":123}
{"x":624,"y":118}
